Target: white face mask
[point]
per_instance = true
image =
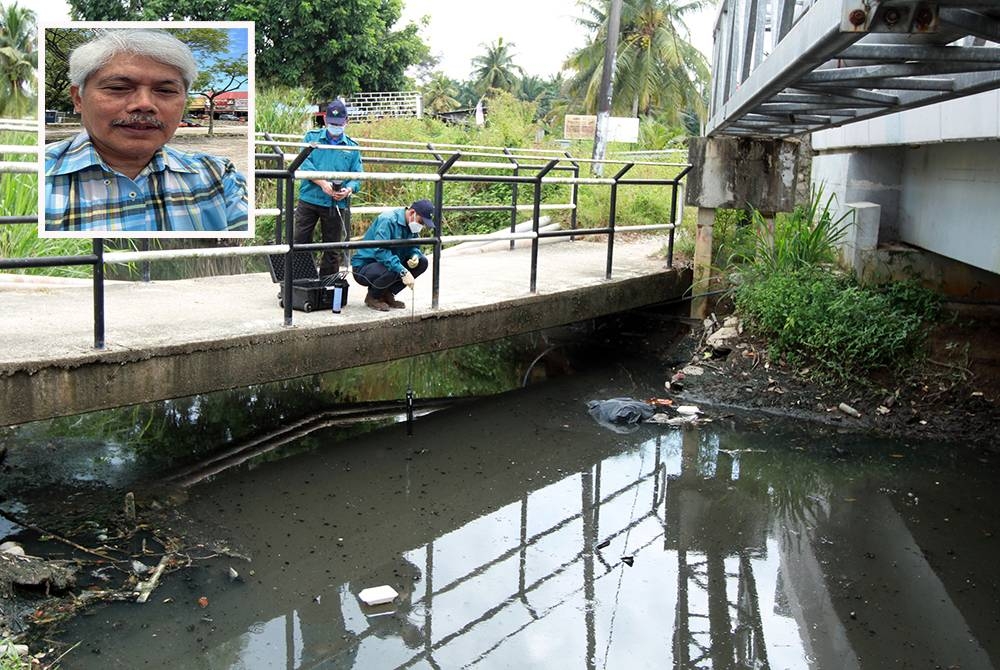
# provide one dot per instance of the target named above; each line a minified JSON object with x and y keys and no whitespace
{"x":416,"y":227}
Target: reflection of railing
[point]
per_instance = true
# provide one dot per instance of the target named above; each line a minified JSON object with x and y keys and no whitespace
{"x":649,"y":480}
{"x":443,"y":161}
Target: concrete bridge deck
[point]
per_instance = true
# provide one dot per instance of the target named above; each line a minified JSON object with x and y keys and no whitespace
{"x":169,"y":339}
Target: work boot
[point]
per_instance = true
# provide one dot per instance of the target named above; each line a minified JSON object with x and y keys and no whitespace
{"x":389,"y":299}
{"x":375,"y":303}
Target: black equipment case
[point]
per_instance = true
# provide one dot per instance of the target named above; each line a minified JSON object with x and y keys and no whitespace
{"x":309,"y":292}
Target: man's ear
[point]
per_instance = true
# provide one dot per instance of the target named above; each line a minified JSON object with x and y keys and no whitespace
{"x":74,"y":93}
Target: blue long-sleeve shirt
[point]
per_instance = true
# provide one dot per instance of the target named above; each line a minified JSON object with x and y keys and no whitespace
{"x":389,"y":225}
{"x":322,"y":160}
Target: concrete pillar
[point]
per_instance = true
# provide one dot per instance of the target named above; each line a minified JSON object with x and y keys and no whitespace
{"x":702,"y":262}
{"x":861,"y":239}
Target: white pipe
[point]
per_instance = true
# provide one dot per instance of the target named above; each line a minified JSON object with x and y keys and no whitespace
{"x":24,"y":168}
{"x":214,"y":252}
{"x":18,"y":149}
{"x":375,"y":176}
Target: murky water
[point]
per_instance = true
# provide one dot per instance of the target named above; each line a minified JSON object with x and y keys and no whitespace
{"x":519,"y":533}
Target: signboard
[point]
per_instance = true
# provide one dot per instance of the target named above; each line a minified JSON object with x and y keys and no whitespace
{"x":583,"y":127}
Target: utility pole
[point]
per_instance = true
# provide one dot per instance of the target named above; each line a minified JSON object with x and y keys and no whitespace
{"x":607,"y":81}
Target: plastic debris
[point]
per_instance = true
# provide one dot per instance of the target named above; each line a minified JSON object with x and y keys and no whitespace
{"x":628,"y":560}
{"x":848,"y":410}
{"x":12,"y":548}
{"x":378,"y":595}
{"x":690,"y":410}
{"x":604,"y":544}
{"x":140,"y":568}
{"x":203,"y":602}
{"x":621,"y":415}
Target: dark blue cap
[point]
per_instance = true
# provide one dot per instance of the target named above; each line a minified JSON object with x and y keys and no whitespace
{"x":336,"y":113}
{"x":426,"y":211}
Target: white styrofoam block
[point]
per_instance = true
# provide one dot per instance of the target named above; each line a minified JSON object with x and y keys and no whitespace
{"x":378,"y":595}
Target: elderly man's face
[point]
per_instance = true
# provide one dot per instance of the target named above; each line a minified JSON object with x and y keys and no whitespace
{"x":130,"y":108}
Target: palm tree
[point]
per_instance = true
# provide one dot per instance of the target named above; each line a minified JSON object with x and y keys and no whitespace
{"x":495,"y":68}
{"x":440,"y":94}
{"x":18,"y":60}
{"x":657,"y":68}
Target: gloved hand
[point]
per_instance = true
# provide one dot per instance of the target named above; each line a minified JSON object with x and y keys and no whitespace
{"x":413,"y":261}
{"x":408,"y":279}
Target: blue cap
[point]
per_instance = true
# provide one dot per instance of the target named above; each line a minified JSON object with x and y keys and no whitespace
{"x":336,"y":113}
{"x":425,"y":209}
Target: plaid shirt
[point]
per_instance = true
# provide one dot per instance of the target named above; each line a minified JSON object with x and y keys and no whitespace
{"x":176,"y":191}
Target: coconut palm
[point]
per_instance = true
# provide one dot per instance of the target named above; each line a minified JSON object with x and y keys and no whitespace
{"x":440,"y":94}
{"x":657,"y":68}
{"x":18,"y":60}
{"x":496,"y":68}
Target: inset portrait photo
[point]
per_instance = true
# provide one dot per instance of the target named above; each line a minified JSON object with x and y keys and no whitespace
{"x":148,"y":129}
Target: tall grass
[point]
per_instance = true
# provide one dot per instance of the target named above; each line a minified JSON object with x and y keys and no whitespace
{"x":808,"y":237}
{"x":19,"y":197}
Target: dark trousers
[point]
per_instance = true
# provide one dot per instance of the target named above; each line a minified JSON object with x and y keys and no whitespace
{"x":380,"y":279}
{"x":331,"y":225}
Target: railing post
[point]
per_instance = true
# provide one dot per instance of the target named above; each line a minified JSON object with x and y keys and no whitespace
{"x":280,"y":195}
{"x":145,"y":265}
{"x":286,"y":285}
{"x":536,"y":211}
{"x":574,"y":192}
{"x":98,"y":248}
{"x":673,"y":215}
{"x":513,"y":195}
{"x":612,"y":216}
{"x":438,"y":205}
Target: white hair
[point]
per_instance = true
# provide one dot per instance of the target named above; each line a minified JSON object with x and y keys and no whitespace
{"x":157,"y":45}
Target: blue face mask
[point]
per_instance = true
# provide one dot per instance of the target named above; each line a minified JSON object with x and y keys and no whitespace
{"x":335,"y":131}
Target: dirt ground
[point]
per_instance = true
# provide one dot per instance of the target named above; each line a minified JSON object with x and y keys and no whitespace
{"x":952,"y":395}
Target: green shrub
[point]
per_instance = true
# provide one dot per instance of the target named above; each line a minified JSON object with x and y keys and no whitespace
{"x":817,"y":318}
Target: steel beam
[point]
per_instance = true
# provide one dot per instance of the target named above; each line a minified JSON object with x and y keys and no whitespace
{"x":828,"y":67}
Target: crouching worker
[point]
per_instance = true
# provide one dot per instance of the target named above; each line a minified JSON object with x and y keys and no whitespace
{"x":388,"y":270}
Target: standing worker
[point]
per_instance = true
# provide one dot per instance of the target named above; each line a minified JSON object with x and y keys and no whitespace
{"x":325,"y":200}
{"x":387,"y":270}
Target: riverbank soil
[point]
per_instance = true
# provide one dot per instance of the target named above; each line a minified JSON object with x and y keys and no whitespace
{"x":952,"y":394}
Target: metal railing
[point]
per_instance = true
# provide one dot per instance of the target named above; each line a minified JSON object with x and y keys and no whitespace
{"x":526,"y":167}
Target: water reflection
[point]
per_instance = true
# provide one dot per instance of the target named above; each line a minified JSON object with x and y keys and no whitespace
{"x":519,"y":533}
{"x":672,"y":549}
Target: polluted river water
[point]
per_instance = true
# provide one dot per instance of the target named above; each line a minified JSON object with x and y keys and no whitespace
{"x":517,"y":532}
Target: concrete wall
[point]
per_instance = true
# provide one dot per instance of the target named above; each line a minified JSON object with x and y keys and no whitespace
{"x":934,"y":171}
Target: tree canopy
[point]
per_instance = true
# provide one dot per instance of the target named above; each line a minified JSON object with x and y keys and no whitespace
{"x":495,"y":67}
{"x":657,"y":69}
{"x":338,"y":48}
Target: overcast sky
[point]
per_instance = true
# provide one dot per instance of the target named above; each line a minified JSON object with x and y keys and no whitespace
{"x":543,"y":32}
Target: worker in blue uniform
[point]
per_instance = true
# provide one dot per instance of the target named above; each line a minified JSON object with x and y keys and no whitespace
{"x":328,"y":201}
{"x":388,"y":270}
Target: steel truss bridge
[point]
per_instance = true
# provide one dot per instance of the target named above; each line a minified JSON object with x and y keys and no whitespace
{"x":786,"y":67}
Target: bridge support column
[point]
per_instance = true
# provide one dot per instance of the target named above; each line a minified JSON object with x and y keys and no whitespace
{"x":702,"y":262}
{"x":737,"y":173}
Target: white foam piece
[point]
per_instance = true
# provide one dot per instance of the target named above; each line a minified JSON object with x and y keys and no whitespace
{"x":378,"y":595}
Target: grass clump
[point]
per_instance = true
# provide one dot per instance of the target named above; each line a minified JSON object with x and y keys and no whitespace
{"x":9,"y":658}
{"x":813,"y":315}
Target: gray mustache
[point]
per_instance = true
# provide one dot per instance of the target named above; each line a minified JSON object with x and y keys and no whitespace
{"x":139,"y":119}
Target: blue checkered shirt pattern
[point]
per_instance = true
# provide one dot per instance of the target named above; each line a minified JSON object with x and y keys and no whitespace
{"x":176,"y":191}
